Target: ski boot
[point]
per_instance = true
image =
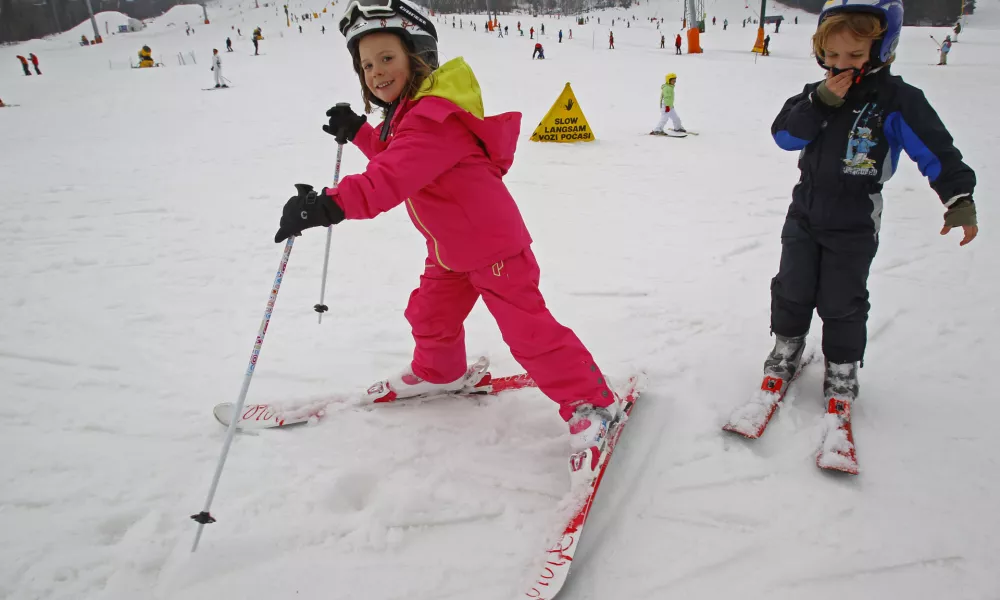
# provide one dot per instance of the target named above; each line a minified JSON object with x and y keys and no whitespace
{"x":589,"y":426}
{"x":780,"y":368}
{"x":476,"y":380}
{"x":783,"y":362}
{"x":590,"y":430}
{"x":840,"y":386}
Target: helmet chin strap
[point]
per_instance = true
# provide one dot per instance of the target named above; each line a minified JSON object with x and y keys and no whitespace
{"x":865,"y":70}
{"x":858,"y":73}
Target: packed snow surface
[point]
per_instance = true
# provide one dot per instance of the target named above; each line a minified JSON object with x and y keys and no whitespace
{"x":137,"y":217}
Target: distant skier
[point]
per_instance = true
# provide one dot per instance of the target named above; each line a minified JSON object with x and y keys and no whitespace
{"x":611,"y":40}
{"x":767,"y":43}
{"x":677,"y":44}
{"x":667,"y":110}
{"x":539,"y":51}
{"x":663,"y":41}
{"x":725,"y":24}
{"x":24,"y":65}
{"x":229,"y":45}
{"x":34,"y":62}
{"x":945,"y":49}
{"x":531,"y":33}
{"x":217,"y":69}
{"x":560,"y":36}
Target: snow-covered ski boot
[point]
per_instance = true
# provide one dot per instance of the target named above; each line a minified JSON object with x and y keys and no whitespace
{"x":476,"y":379}
{"x":589,"y":425}
{"x":781,"y":367}
{"x":783,"y":362}
{"x":840,"y":389}
{"x":841,"y":382}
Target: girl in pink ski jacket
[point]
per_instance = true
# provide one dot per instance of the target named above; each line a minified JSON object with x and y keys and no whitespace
{"x":438,"y":153}
{"x":445,"y":162}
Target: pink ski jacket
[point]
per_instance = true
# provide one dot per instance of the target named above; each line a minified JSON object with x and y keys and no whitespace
{"x":446,"y":161}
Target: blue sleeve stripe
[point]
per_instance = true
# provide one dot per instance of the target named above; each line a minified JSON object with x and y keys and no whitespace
{"x":927,"y":161}
{"x":787,"y":141}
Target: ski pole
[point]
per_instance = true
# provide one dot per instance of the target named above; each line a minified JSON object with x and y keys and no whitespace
{"x":322,"y":308}
{"x":204,"y":518}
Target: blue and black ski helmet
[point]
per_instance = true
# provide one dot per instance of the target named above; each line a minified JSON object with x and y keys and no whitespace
{"x":890,"y":12}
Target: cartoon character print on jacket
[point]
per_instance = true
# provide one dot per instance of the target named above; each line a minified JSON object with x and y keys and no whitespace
{"x":862,"y":141}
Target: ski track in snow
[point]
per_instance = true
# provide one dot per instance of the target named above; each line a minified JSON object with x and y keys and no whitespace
{"x":137,"y":215}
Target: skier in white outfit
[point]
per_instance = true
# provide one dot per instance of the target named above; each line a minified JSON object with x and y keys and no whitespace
{"x":217,"y":68}
{"x":667,"y":109}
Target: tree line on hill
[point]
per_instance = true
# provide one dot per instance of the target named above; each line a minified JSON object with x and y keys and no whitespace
{"x":916,"y":12}
{"x":29,"y":19}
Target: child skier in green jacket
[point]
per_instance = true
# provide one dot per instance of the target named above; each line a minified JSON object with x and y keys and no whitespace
{"x":667,"y":110}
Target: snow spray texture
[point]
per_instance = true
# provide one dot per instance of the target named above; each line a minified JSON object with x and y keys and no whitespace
{"x":564,"y":123}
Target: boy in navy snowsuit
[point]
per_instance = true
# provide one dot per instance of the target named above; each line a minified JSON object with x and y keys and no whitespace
{"x":850,"y":130}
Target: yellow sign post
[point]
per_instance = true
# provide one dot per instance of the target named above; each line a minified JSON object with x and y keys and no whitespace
{"x":564,"y":123}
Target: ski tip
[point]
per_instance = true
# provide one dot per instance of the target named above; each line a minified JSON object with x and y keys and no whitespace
{"x":750,"y":435}
{"x":837,"y":463}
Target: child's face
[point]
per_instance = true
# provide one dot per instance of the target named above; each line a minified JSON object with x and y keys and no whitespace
{"x":385,"y":65}
{"x":844,"y":51}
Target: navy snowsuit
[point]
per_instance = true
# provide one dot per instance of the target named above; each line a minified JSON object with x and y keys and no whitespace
{"x":830,"y":234}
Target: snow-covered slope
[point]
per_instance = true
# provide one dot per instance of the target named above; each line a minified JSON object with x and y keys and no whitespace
{"x":138,"y":211}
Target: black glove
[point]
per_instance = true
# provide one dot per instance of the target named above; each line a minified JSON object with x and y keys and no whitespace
{"x":307,"y":209}
{"x":344,"y":123}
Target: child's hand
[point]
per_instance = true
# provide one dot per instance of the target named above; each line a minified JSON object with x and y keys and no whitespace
{"x":839,"y":84}
{"x":971,"y":231}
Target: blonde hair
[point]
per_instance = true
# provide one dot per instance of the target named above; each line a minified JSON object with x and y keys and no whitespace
{"x":861,"y":25}
{"x":419,"y":72}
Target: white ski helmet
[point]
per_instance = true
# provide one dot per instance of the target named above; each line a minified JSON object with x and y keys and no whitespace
{"x":395,"y":16}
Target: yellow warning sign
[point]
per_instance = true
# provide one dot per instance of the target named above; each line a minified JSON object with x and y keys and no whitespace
{"x":564,"y":123}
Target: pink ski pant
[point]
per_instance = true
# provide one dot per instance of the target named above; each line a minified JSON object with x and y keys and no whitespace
{"x":550,"y":353}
